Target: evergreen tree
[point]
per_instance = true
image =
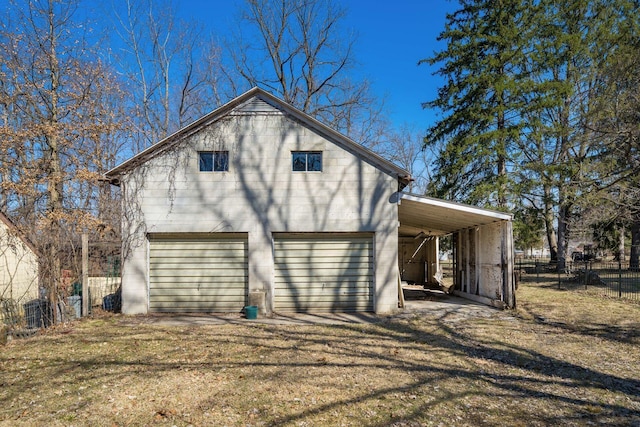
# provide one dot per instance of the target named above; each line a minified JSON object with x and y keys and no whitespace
{"x":523,"y":83}
{"x":616,"y":123}
{"x":575,"y":41}
{"x":562,"y":63}
{"x":483,"y":68}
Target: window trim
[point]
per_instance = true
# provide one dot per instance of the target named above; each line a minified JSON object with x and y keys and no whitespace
{"x":214,"y":161}
{"x":306,"y":161}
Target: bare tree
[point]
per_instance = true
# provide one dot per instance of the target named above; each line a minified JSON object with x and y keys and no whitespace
{"x":298,"y":50}
{"x":55,"y":99}
{"x":171,"y":66}
{"x":405,"y":148}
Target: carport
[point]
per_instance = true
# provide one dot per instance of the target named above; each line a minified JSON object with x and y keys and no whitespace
{"x":482,"y":253}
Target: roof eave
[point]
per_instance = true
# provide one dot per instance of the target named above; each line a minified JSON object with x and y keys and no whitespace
{"x":379,"y":161}
{"x":505,"y":216}
{"x":13,"y":228}
{"x":113,"y":175}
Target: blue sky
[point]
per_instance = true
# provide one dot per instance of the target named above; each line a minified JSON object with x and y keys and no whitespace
{"x":392,"y":37}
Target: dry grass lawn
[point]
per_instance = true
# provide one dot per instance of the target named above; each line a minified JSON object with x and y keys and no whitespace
{"x":563,"y":358}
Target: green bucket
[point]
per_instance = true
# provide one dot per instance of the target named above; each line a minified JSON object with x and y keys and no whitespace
{"x":251,"y":312}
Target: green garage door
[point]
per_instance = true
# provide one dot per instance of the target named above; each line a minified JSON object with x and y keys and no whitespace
{"x":323,"y":272}
{"x":197,"y":272}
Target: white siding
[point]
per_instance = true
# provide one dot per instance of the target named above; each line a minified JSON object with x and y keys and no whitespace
{"x":485,"y":266}
{"x":259,"y":195}
{"x":18,"y":268}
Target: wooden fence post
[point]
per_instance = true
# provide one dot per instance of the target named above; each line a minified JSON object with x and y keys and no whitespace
{"x":85,"y":273}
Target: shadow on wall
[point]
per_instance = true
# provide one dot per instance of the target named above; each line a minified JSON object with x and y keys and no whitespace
{"x":261,"y":192}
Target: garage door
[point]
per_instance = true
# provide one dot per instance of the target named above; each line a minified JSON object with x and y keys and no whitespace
{"x":197,"y":272}
{"x":323,"y":272}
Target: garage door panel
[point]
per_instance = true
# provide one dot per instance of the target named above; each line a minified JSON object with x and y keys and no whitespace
{"x":172,"y":282}
{"x":195,"y":307}
{"x":197,"y":273}
{"x":194,"y":256}
{"x":194,"y":299}
{"x":323,"y":272}
{"x":340,"y":263}
{"x":202,"y":242}
{"x":193,"y":288}
{"x":319,"y":293}
{"x":338,"y":246}
{"x":177,"y":245}
{"x":337,"y":250}
{"x":330,"y":305}
{"x":186,"y":254}
{"x":328,"y":253}
{"x":306,"y":283}
{"x":330,"y":272}
{"x":345,"y":301}
{"x":304,"y":242}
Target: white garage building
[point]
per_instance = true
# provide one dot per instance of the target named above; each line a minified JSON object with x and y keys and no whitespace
{"x":259,"y":202}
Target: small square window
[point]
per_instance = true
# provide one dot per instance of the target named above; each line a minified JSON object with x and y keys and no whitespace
{"x":314,"y":162}
{"x":221,"y":161}
{"x":299,"y":161}
{"x":206,"y":161}
{"x":213,"y":161}
{"x":306,"y":161}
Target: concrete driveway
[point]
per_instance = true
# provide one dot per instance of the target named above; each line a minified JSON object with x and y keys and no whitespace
{"x":447,"y":308}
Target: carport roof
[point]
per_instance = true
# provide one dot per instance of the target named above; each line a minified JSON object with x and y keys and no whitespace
{"x":438,"y":217}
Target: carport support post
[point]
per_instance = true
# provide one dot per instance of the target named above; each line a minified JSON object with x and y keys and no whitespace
{"x":85,"y":273}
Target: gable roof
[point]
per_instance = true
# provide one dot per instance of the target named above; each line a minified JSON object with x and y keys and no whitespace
{"x":248,"y":100}
{"x":13,"y":229}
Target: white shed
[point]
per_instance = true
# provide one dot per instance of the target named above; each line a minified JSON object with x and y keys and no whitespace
{"x":18,"y":265}
{"x":483,"y":251}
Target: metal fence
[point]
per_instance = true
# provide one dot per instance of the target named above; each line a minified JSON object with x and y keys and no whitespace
{"x":612,"y":279}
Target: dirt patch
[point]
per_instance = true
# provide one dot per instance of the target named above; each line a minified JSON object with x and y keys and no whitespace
{"x":549,"y":363}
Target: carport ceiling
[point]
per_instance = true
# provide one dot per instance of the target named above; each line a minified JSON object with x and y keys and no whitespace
{"x":439,"y":217}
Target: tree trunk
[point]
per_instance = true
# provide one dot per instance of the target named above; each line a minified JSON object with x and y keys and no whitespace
{"x":563,"y":235}
{"x":621,"y":236}
{"x":634,"y":258}
{"x":502,"y":149}
{"x":55,"y":184}
{"x":564,"y":178}
{"x":55,"y":210}
{"x":552,"y":240}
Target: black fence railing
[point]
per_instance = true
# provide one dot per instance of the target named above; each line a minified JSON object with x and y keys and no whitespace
{"x":613,"y":279}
